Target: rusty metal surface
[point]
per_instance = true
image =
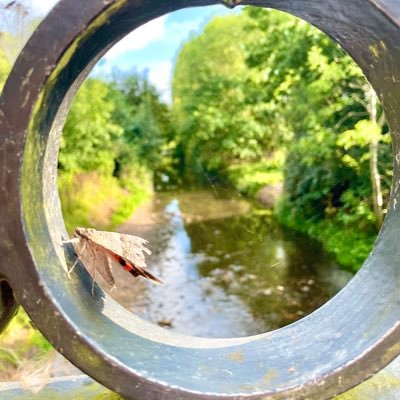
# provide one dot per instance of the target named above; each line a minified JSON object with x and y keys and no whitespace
{"x":341,"y":344}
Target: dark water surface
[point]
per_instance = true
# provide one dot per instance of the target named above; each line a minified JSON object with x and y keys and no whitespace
{"x":229,"y":268}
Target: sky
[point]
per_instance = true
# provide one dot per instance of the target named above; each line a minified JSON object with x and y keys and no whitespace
{"x":152,"y":47}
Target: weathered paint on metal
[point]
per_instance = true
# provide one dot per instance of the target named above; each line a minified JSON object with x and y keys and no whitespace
{"x":338,"y":346}
{"x":385,"y":385}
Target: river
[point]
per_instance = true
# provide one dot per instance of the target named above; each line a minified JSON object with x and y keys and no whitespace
{"x":229,"y":269}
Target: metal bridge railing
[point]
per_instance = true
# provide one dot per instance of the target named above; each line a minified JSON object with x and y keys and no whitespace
{"x":344,"y":342}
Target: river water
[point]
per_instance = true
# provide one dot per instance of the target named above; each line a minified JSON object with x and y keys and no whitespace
{"x":229,"y":269}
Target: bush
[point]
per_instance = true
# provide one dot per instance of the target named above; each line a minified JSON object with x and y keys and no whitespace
{"x":349,"y":244}
{"x":249,"y":178}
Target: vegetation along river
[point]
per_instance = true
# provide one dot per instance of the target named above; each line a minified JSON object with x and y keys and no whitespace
{"x":229,"y":269}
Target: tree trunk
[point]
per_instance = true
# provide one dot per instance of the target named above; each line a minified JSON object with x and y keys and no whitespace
{"x":377,"y":200}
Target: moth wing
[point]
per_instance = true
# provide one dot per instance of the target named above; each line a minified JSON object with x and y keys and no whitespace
{"x":134,"y":249}
{"x":130,"y":247}
{"x":137,"y":271}
{"x":79,"y":246}
{"x":102,"y":264}
{"x":94,"y":257}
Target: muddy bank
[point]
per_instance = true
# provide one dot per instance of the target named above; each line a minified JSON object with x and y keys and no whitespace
{"x":270,"y":194}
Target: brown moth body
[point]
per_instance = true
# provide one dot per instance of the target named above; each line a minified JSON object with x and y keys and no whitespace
{"x":100,"y":250}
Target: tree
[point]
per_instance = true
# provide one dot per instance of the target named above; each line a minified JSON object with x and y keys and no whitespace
{"x":217,"y":125}
{"x":369,"y":133}
{"x":89,"y":135}
{"x":318,"y":93}
{"x":145,"y":120}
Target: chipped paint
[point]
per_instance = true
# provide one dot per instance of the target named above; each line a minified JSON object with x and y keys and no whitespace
{"x":374,"y":50}
{"x":27,"y":77}
{"x":237,"y":356}
{"x":271,"y":375}
{"x":378,"y":49}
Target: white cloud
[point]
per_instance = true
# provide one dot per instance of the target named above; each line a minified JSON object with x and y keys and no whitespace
{"x":160,"y":76}
{"x":139,"y":38}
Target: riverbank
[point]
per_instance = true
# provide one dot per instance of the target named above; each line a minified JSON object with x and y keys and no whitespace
{"x":348,"y":241}
{"x":349,"y":245}
{"x":100,"y":201}
{"x":347,"y":233}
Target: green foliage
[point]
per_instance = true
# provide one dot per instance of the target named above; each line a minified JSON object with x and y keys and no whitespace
{"x":216,"y":124}
{"x":263,"y":81}
{"x":350,"y":245}
{"x":87,"y":199}
{"x":304,"y":81}
{"x":249,"y":178}
{"x":32,"y":335}
{"x":355,"y":213}
{"x":353,"y":146}
{"x":90,"y":133}
{"x":363,"y":133}
{"x":145,"y":121}
{"x":137,"y":181}
{"x":99,"y":201}
{"x":322,"y":97}
{"x":110,"y":144}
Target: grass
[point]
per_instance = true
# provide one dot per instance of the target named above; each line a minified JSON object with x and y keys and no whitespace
{"x":19,"y":343}
{"x":99,"y":201}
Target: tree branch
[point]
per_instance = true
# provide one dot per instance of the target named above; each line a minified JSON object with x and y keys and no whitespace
{"x":349,"y":115}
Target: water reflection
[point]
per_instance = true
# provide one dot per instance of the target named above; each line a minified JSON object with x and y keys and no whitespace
{"x":229,"y":269}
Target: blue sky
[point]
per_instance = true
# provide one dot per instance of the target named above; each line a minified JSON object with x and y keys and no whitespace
{"x":154,"y":46}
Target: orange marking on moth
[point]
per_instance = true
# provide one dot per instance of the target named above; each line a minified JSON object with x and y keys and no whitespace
{"x":122,"y":262}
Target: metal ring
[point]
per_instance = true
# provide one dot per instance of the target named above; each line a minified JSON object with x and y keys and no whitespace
{"x":342,"y":343}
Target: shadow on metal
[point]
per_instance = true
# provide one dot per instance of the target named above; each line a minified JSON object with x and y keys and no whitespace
{"x":341,"y":344}
{"x":8,"y":305}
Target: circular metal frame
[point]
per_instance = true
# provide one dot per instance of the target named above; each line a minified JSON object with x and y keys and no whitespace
{"x":344,"y":342}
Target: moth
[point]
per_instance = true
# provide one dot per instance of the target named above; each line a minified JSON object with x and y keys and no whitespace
{"x":99,"y":251}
